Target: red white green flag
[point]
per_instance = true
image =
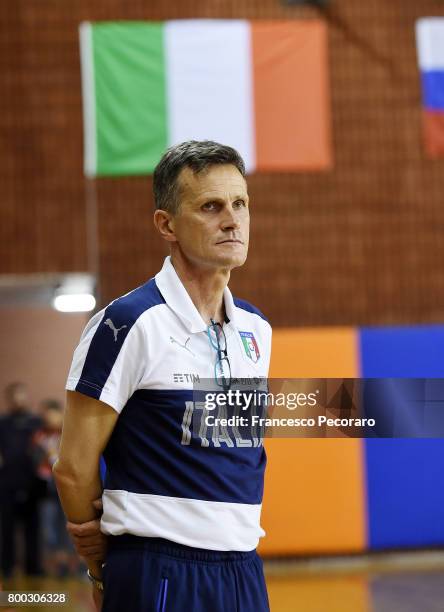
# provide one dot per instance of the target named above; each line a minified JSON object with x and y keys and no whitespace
{"x":261,"y":87}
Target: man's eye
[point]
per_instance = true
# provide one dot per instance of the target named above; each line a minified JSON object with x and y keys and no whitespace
{"x":209,"y":206}
{"x":239,"y":204}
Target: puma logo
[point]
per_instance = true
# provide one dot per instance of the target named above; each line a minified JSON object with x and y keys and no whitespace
{"x":184,"y":346}
{"x":113,"y":327}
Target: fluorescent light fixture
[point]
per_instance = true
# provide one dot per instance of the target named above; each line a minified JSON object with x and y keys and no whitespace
{"x":75,"y":293}
{"x":74,"y":302}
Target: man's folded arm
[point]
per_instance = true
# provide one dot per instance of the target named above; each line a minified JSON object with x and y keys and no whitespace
{"x":87,"y":427}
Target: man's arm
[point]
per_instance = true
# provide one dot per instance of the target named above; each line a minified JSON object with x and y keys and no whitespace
{"x":87,"y":427}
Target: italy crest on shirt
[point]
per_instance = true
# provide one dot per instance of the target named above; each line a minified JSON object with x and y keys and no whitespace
{"x":250,"y":345}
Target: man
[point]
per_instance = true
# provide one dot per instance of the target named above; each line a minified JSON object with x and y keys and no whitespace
{"x":60,"y":556}
{"x":181,"y":511}
{"x":20,"y":488}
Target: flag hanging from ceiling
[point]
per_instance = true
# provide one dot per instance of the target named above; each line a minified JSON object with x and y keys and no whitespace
{"x":430,"y":46}
{"x":261,"y":87}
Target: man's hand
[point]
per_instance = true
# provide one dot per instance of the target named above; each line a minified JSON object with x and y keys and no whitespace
{"x":87,"y":427}
{"x":98,"y":599}
{"x":89,"y":541}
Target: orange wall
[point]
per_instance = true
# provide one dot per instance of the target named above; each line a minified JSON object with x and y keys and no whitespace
{"x":314,"y":494}
{"x":36,"y":348}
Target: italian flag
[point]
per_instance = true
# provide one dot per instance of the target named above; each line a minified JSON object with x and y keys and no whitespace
{"x":261,"y":87}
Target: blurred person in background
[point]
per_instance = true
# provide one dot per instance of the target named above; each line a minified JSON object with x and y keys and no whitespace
{"x":60,"y":559}
{"x":20,"y":487}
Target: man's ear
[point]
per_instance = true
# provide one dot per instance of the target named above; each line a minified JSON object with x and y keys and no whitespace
{"x":164,"y":223}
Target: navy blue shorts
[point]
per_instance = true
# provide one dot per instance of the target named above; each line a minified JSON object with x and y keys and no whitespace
{"x":155,"y":575}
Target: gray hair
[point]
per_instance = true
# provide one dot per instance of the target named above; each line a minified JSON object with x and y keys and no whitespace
{"x":195,"y":154}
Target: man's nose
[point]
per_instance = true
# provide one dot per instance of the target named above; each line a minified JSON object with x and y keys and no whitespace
{"x":229,"y":219}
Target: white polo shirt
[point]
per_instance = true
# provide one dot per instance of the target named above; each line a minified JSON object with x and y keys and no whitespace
{"x":141,"y":355}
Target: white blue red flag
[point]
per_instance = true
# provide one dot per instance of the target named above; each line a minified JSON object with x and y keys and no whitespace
{"x":430,"y":47}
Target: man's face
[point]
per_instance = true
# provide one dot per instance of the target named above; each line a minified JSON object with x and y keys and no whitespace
{"x":17,"y":398}
{"x":53,"y":419}
{"x":213,"y":221}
